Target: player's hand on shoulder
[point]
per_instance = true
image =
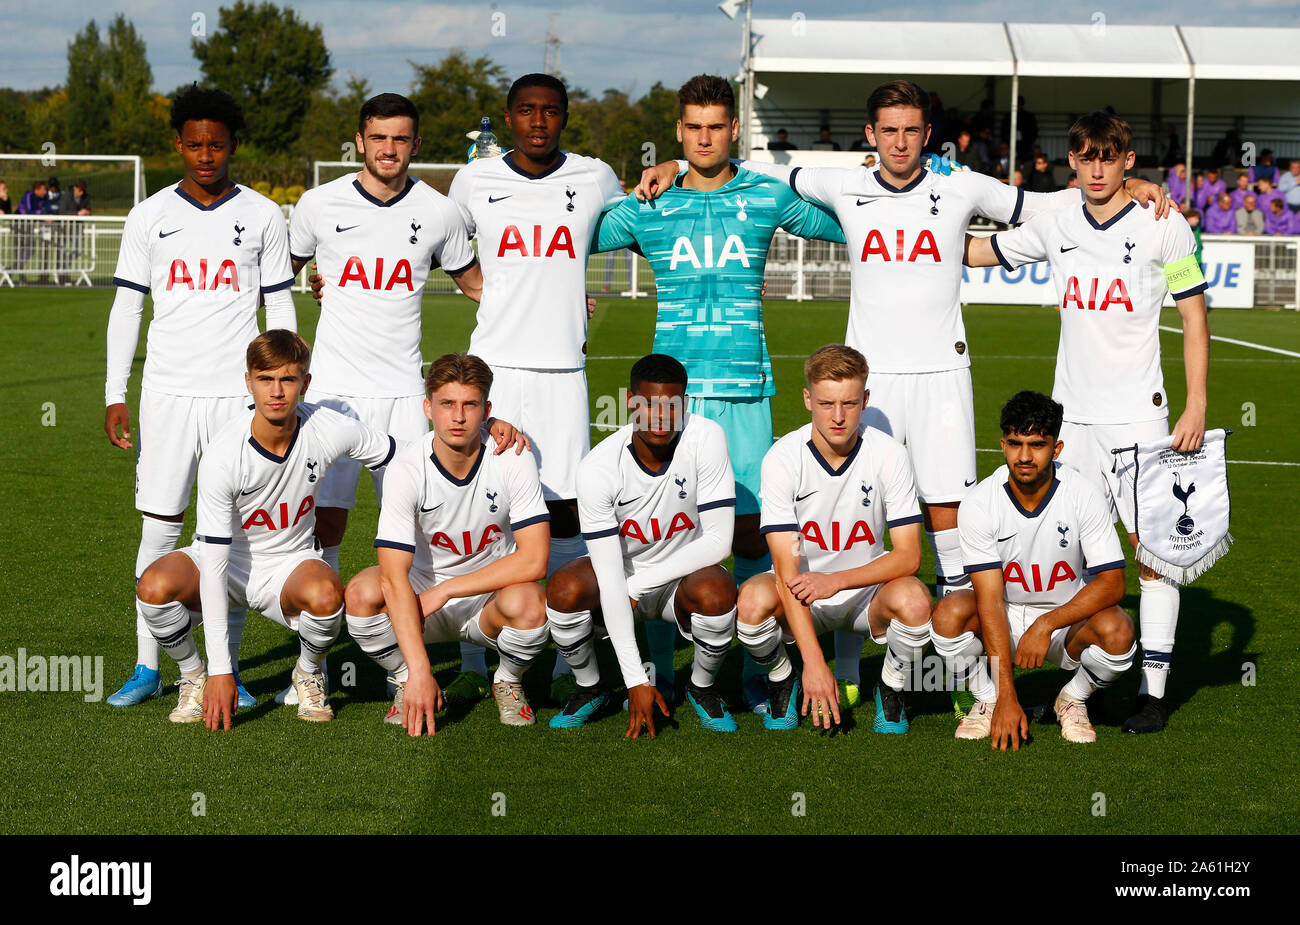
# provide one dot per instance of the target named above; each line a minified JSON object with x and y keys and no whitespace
{"x":220,"y":701}
{"x":654,"y":180}
{"x":641,"y":702}
{"x":117,"y":418}
{"x":421,"y":699}
{"x":808,"y":587}
{"x":1189,"y":432}
{"x":1149,"y":194}
{"x":317,"y":283}
{"x":821,"y":693}
{"x":1033,"y":645}
{"x":507,"y":435}
{"x":1009,"y":726}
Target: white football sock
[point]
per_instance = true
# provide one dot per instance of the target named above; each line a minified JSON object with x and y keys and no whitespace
{"x":564,"y":549}
{"x":315,"y":636}
{"x":376,"y":638}
{"x":473,"y":658}
{"x":157,"y":538}
{"x":518,"y":649}
{"x":848,"y":656}
{"x":967,"y":668}
{"x":1157,"y":621}
{"x":949,"y":574}
{"x":170,"y":624}
{"x":1097,"y":669}
{"x":575,"y":641}
{"x":903,"y":647}
{"x":331,"y":556}
{"x":763,"y":642}
{"x":712,"y":635}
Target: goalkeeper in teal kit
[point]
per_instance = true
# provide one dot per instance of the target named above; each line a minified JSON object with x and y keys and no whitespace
{"x":706,"y":239}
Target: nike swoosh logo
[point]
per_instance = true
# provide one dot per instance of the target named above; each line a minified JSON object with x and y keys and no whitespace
{"x":1066,"y":250}
{"x":1003,"y":539}
{"x":672,"y":210}
{"x":809,"y":495}
{"x":498,"y":198}
{"x":251,"y":490}
{"x":628,"y":501}
{"x":340,"y":229}
{"x":865,"y":202}
{"x":167,"y":234}
{"x":969,"y":484}
{"x":430,"y":510}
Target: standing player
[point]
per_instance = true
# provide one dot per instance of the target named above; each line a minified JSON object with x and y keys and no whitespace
{"x":254,"y":541}
{"x":830,"y":490}
{"x":1029,"y":534}
{"x":463,"y":540}
{"x":656,"y":499}
{"x":905,"y":227}
{"x":707,"y":238}
{"x":1113,"y":264}
{"x":207,"y":249}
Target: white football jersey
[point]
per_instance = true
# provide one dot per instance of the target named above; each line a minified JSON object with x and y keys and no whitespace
{"x":206,"y":267}
{"x":654,"y":513}
{"x":534,"y":235}
{"x":1045,"y":554}
{"x":841,"y":514}
{"x":1110,"y":279}
{"x":251,"y":497}
{"x":375,"y":258}
{"x":458,"y":525}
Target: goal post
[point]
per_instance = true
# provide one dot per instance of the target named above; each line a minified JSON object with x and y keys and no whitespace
{"x":114,"y":182}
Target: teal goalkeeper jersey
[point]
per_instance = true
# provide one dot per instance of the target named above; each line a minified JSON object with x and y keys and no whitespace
{"x":708,"y":251}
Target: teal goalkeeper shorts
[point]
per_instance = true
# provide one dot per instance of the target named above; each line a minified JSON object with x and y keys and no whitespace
{"x":747,"y":422}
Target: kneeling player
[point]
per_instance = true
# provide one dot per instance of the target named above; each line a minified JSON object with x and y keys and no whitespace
{"x":656,"y":500}
{"x":830,"y":489}
{"x":1029,"y":532}
{"x":463,"y":538}
{"x":254,"y":544}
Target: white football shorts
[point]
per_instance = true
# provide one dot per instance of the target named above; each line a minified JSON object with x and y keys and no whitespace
{"x":448,"y":623}
{"x":171,"y":433}
{"x":257,"y":582}
{"x":1021,"y":616}
{"x":844,"y":610}
{"x":550,"y":407}
{"x":1088,"y":449}
{"x":402,"y":418}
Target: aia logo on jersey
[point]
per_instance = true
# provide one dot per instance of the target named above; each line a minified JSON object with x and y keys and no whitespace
{"x":261,"y":518}
{"x":239,"y":230}
{"x":633,"y":530}
{"x":227,"y":274}
{"x":354,"y":271}
{"x":1116,"y":294}
{"x":859,"y":533}
{"x":684,"y":252}
{"x":467,"y":547}
{"x":492,"y":501}
{"x":1062,"y":529}
{"x":311,"y":469}
{"x":561,"y":242}
{"x":923,"y":247}
{"x":1061,"y":572}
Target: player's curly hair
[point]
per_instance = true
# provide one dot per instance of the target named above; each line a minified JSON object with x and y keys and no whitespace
{"x":278,"y":347}
{"x":198,"y":104}
{"x":707,"y":90}
{"x":835,"y":362}
{"x":464,"y":368}
{"x":658,"y":368}
{"x":1030,"y":412}
{"x":1101,"y":134}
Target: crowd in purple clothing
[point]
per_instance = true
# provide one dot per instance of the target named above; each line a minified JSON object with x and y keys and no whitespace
{"x":1263,"y":199}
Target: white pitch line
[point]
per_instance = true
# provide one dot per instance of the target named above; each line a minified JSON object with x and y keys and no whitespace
{"x":1239,"y":343}
{"x":1239,"y":462}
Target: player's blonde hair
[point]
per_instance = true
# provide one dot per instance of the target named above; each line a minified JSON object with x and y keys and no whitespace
{"x":836,"y":362}
{"x":278,"y":347}
{"x":464,"y":368}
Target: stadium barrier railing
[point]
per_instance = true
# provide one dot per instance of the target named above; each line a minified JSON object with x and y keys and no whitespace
{"x":59,"y":250}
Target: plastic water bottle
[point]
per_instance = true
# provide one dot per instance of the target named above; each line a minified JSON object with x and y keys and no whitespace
{"x":485,"y":142}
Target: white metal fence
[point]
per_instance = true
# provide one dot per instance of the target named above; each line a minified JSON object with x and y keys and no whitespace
{"x":59,"y":250}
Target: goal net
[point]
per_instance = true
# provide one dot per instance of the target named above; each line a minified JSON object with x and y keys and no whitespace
{"x":114,"y":182}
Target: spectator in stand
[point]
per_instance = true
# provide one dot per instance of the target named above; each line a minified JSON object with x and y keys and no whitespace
{"x":1220,"y":217}
{"x":1002,"y":165}
{"x":824,"y":141}
{"x":985,"y":156}
{"x":1266,"y":194}
{"x":1227,"y":150}
{"x":1291,"y":179}
{"x":869,"y":161}
{"x":1177,"y":182}
{"x":984,"y":119}
{"x":1249,"y":219}
{"x":861,"y":144}
{"x":78,"y":204}
{"x":1026,"y":127}
{"x":1194,"y":220}
{"x":55,"y":195}
{"x":1209,"y":192}
{"x":965,"y":154}
{"x":1265,"y":169}
{"x":1018,"y":178}
{"x":1243,"y":190}
{"x":783,"y":142}
{"x":35,"y":201}
{"x":1279,"y":219}
{"x":1041,"y":180}
{"x":6,"y":207}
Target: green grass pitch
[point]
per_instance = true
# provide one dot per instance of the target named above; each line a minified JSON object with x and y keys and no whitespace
{"x":1226,"y":764}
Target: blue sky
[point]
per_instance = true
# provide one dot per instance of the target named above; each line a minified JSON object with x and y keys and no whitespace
{"x":613,"y":43}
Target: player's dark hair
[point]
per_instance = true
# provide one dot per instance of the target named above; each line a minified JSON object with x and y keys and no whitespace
{"x":539,"y":80}
{"x":1030,"y":412}
{"x":1100,"y":134}
{"x":835,"y":362}
{"x":659,"y":368}
{"x":464,"y":368}
{"x":707,"y":90}
{"x":386,"y":106}
{"x":199,"y":104}
{"x":278,"y":347}
{"x":898,"y":93}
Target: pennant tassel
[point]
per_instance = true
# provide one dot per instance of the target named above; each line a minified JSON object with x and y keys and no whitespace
{"x":1184,"y":575}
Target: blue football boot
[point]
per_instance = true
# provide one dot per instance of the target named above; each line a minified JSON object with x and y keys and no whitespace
{"x":583,"y":705}
{"x":246,"y":700}
{"x":891,"y":715}
{"x":784,"y":699}
{"x":143,"y":684}
{"x":709,"y":707}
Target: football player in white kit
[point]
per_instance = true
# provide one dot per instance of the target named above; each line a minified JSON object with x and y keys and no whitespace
{"x":1113,"y":263}
{"x":254,"y":542}
{"x":830,"y":491}
{"x":905,"y":226}
{"x":463,"y":539}
{"x":208,"y":250}
{"x":1030,"y":532}
{"x":657,"y":500}
{"x":375,"y":236}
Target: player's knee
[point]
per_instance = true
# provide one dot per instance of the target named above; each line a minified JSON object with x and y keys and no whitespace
{"x":711,"y":591}
{"x":754,"y":603}
{"x":364,"y":596}
{"x":322,"y":596}
{"x":911,"y":602}
{"x":952,"y":613}
{"x":524,"y":605}
{"x":1115,"y":630}
{"x":154,"y":588}
{"x":565,"y":590}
